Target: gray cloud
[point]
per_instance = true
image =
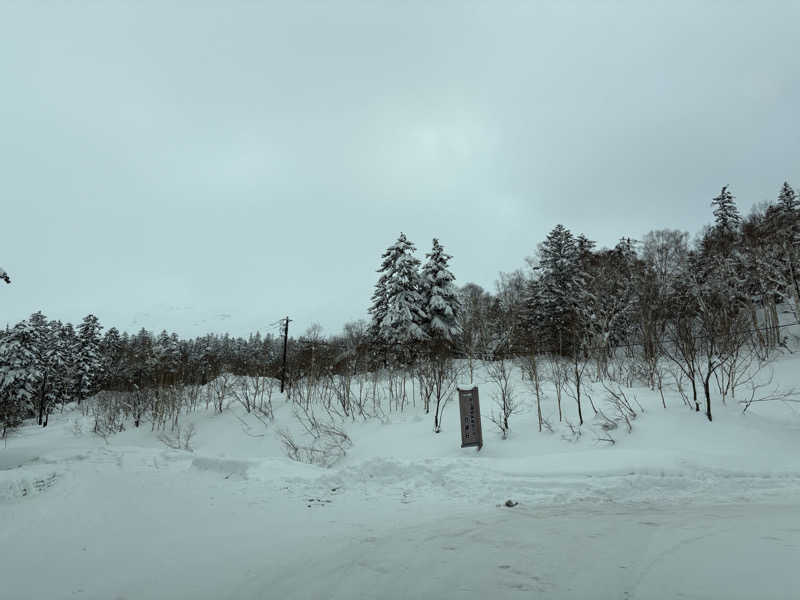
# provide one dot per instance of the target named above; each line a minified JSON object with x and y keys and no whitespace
{"x":256,"y":159}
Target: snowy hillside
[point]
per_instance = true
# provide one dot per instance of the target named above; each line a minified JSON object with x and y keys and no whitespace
{"x":678,"y":507}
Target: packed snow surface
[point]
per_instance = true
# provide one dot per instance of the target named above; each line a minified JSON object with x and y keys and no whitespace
{"x":677,"y":508}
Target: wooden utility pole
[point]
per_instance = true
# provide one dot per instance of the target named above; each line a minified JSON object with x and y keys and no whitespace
{"x":285,"y":342}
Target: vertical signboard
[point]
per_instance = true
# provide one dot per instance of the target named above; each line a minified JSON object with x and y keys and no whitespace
{"x":471,"y":433}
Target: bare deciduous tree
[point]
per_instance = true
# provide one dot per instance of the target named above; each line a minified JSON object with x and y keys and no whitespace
{"x":530,"y":367}
{"x":437,"y":376}
{"x":255,"y":395}
{"x":558,"y":376}
{"x":220,"y":388}
{"x":499,"y":373}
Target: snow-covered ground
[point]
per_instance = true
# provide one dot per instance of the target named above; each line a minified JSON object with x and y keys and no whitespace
{"x":678,"y":508}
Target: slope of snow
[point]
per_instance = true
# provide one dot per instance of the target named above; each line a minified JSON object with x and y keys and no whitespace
{"x":677,"y":508}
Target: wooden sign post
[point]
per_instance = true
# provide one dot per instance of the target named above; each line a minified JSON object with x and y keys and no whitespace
{"x":471,"y":433}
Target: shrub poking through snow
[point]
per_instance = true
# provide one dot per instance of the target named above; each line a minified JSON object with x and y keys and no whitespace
{"x":323,"y":441}
{"x":180,"y":439}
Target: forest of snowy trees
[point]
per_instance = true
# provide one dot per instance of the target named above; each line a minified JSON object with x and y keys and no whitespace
{"x":697,"y":311}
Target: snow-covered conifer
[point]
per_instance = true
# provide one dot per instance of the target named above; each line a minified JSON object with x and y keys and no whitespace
{"x":726,"y":214}
{"x":397,"y":310}
{"x":439,"y":296}
{"x":20,"y":374}
{"x":167,"y":357}
{"x":111,"y":351}
{"x":788,"y":200}
{"x":89,"y":361}
{"x":558,"y":301}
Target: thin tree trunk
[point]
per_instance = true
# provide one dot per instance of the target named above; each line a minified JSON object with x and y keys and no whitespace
{"x":578,"y":394}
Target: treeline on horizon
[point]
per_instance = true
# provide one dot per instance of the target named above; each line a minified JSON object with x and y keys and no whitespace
{"x":662,"y":298}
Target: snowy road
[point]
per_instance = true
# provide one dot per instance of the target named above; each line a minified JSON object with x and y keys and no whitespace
{"x":132,"y":520}
{"x":607,"y":551}
{"x":175,"y":532}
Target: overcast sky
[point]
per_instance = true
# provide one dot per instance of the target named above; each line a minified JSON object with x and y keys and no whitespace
{"x":166,"y":163}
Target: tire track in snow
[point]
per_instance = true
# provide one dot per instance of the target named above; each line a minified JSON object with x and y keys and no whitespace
{"x":422,"y":481}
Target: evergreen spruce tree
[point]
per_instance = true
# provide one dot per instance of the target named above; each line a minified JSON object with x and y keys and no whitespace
{"x":19,"y":375}
{"x":166,"y":356}
{"x":111,"y":351}
{"x":558,"y":299}
{"x":719,"y":244}
{"x":439,"y":297}
{"x":40,"y":346}
{"x":726,"y":214}
{"x":56,"y":382}
{"x":380,"y":302}
{"x":788,"y":200}
{"x":788,"y":209}
{"x":67,"y":342}
{"x":397,"y":308}
{"x":89,"y":361}
{"x":786,"y":248}
{"x":585,"y":247}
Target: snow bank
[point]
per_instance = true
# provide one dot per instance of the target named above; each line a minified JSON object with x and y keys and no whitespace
{"x":19,"y":483}
{"x":408,"y":512}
